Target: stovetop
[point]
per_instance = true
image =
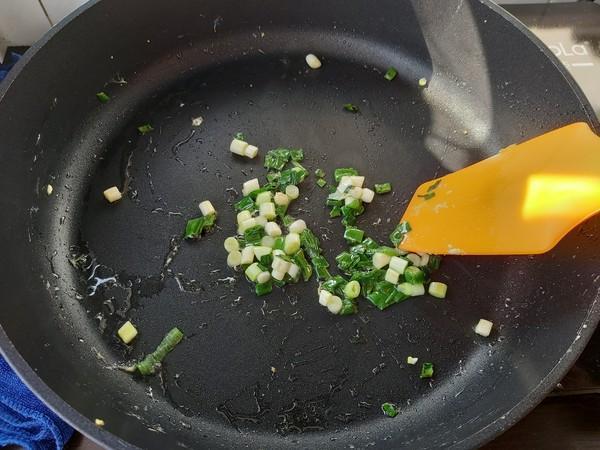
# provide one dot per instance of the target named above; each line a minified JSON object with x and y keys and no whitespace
{"x":572,"y":32}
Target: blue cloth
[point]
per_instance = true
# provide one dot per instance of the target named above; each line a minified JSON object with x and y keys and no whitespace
{"x":11,"y":59}
{"x":24,"y":419}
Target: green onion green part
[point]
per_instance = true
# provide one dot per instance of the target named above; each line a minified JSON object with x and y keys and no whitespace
{"x":397,"y":235}
{"x":427,"y":196}
{"x":390,"y":74}
{"x":102,"y":97}
{"x":152,"y":361}
{"x":321,"y":182}
{"x":320,"y":173}
{"x":383,"y":188}
{"x":426,"y":370}
{"x":145,"y":129}
{"x":195,"y":227}
{"x":241,"y":136}
{"x":389,"y":409}
{"x":351,"y":107}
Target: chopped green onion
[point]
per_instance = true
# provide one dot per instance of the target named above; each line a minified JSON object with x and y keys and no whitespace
{"x":354,"y":235}
{"x":144,"y":129}
{"x":397,"y":235}
{"x":389,"y":409}
{"x":245,"y":204}
{"x":321,"y":182}
{"x":278,"y":244}
{"x":253,"y":235}
{"x":195,"y":227}
{"x":383,"y":188}
{"x":343,"y":172}
{"x":352,"y":290}
{"x":253,"y":271}
{"x":385,"y":294}
{"x":422,"y":82}
{"x":263,"y":288}
{"x":278,"y":158}
{"x":348,"y":307}
{"x":427,"y":196}
{"x":434,"y":262}
{"x":301,"y":261}
{"x":336,"y":211}
{"x":320,"y":173}
{"x":390,"y":74}
{"x":351,"y":107}
{"x":434,"y":186}
{"x":150,"y":363}
{"x":102,"y":97}
{"x":414,"y":275}
{"x":240,"y":136}
{"x":438,"y":289}
{"x":411,"y":290}
{"x":426,"y":370}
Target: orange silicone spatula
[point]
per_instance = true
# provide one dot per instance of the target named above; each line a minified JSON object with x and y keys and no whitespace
{"x":521,"y":201}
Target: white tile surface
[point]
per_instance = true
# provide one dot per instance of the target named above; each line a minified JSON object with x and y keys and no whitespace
{"x":58,"y":9}
{"x":22,"y":22}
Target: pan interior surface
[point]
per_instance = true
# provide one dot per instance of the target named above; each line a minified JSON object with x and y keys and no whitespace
{"x":276,"y":370}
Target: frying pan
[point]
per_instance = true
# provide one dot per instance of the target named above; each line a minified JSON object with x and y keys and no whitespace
{"x":276,"y":371}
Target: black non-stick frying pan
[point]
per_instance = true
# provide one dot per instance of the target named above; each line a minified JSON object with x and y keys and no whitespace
{"x":240,"y":65}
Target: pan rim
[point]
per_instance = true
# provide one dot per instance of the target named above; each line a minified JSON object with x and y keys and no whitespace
{"x":107,"y":439}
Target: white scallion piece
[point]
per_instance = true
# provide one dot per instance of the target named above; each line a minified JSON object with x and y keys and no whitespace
{"x":250,"y":186}
{"x":348,"y":200}
{"x":352,"y":289}
{"x":357,"y":180}
{"x":411,"y":360}
{"x":261,"y":220}
{"x":273,"y":229}
{"x":424,"y":259}
{"x":267,"y":210}
{"x":260,"y":251}
{"x":344,"y":186}
{"x":367,"y":195}
{"x":281,"y":199}
{"x":422,"y":82}
{"x":484,"y":327}
{"x":292,"y":243}
{"x":197,"y":121}
{"x":206,"y":208}
{"x":249,"y":223}
{"x":238,"y":147}
{"x":292,"y":192}
{"x":267,"y":241}
{"x":334,"y":305}
{"x":247,"y":255}
{"x":278,"y":275}
{"x":49,"y":189}
{"x":113,"y":194}
{"x":251,"y":151}
{"x":231,"y":244}
{"x":127,"y":332}
{"x":278,"y":252}
{"x":280,"y":265}
{"x":298,"y":226}
{"x":324,"y":297}
{"x":414,"y":258}
{"x":438,"y":289}
{"x":234,"y":258}
{"x":263,"y":197}
{"x":380,"y":260}
{"x":412,"y":290}
{"x":312,"y":61}
{"x":391,"y":276}
{"x":398,"y":264}
{"x":294,"y":271}
{"x":242,"y":216}
{"x":252,"y":271}
{"x":355,"y":192}
{"x":263,"y":277}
